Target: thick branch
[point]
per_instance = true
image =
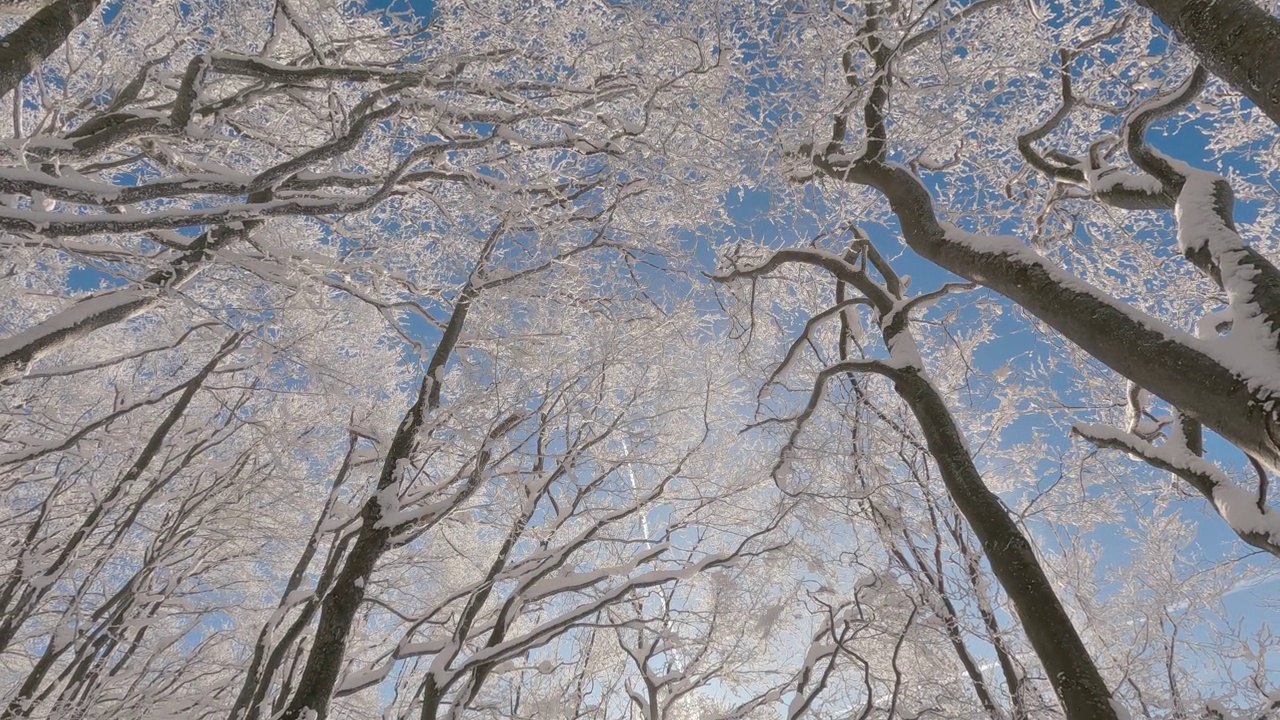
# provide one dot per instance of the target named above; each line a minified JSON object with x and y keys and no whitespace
{"x":1028,"y":139}
{"x":1105,"y":184}
{"x":25,"y":49}
{"x":112,"y":306}
{"x":1236,"y":39}
{"x":1121,"y":337}
{"x":1158,"y":108}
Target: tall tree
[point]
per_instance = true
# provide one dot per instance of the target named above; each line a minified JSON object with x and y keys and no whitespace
{"x":1067,"y":662}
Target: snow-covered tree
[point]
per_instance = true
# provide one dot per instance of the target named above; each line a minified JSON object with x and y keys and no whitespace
{"x":644,"y":360}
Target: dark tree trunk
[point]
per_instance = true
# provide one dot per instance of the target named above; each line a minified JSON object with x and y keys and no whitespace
{"x":342,"y":603}
{"x":1068,"y":664}
{"x":24,"y":49}
{"x":1235,"y":39}
{"x":1070,"y":668}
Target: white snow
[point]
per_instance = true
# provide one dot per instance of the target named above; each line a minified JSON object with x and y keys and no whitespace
{"x":365,"y":678}
{"x":71,"y":316}
{"x":1240,"y":352}
{"x":1239,"y":507}
{"x":339,"y":516}
{"x":903,"y":352}
{"x":1250,"y":346}
{"x":1099,"y":183}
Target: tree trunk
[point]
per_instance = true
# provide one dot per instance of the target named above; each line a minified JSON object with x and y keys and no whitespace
{"x":1071,"y":671}
{"x":343,"y":601}
{"x":24,"y":49}
{"x":1237,"y":40}
{"x":1068,"y":664}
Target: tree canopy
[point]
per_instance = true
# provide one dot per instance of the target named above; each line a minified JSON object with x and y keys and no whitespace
{"x":651,"y":360}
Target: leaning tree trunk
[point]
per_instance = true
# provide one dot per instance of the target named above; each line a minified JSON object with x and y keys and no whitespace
{"x":1070,"y":667}
{"x":1067,"y":662}
{"x":1236,"y":39}
{"x":342,"y":602}
{"x":24,"y":49}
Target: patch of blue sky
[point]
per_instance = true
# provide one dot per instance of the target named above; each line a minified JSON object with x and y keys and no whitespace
{"x":208,"y":624}
{"x":90,"y":274}
{"x":110,"y":10}
{"x":403,"y":15}
{"x":418,"y":8}
{"x":88,"y":279}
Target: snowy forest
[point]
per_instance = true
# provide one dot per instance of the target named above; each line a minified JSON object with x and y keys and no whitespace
{"x":639,"y":359}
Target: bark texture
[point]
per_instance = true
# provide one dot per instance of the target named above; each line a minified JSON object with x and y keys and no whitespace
{"x":24,"y":49}
{"x":1237,"y":40}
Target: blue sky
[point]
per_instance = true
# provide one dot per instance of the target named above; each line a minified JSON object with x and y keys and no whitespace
{"x":420,"y":8}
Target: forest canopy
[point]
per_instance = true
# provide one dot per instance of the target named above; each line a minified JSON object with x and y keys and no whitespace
{"x":658,"y":360}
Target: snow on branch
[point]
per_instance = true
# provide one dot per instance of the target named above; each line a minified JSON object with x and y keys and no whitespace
{"x":1207,"y":237}
{"x":1103,"y":181}
{"x":1253,"y":521}
{"x":1167,"y":170}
